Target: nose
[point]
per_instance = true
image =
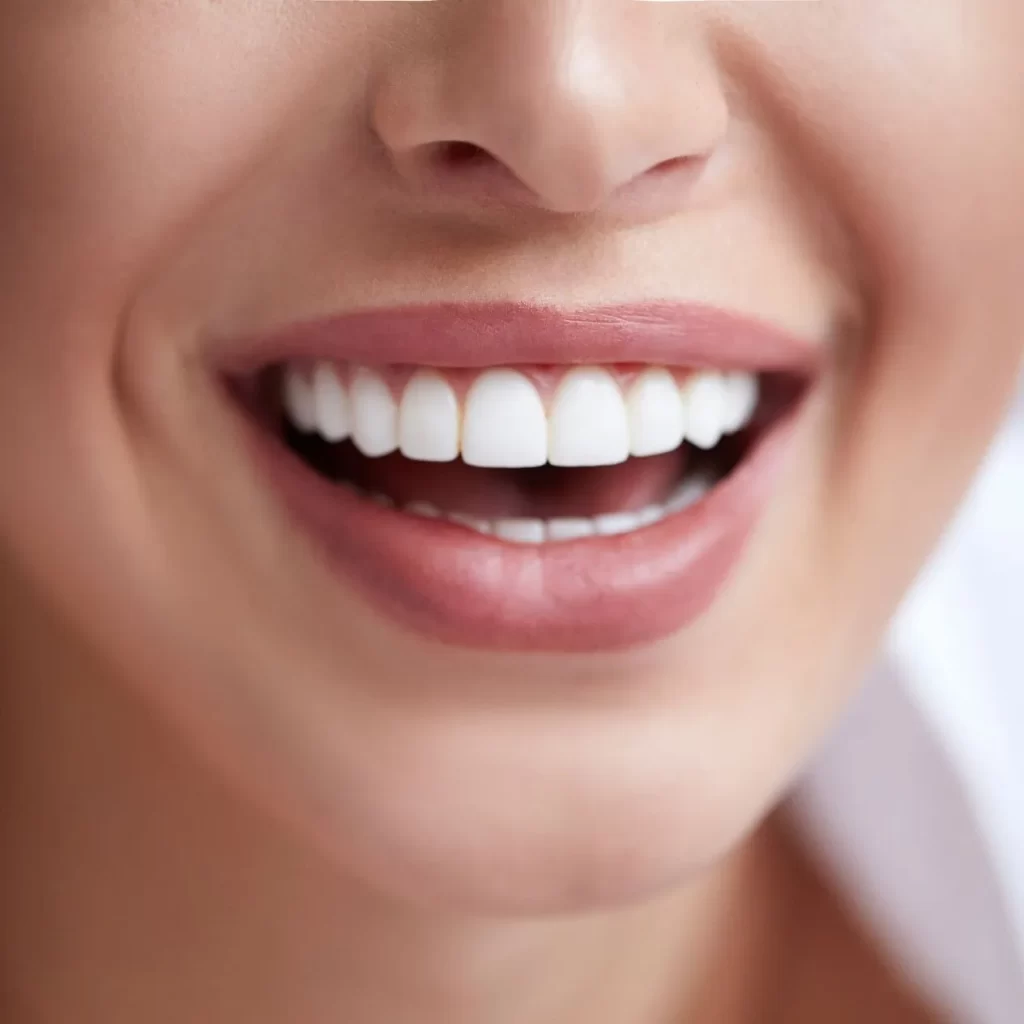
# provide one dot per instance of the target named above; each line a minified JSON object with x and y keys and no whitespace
{"x":569,"y":106}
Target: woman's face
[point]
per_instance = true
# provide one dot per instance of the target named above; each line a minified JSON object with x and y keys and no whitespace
{"x":453,"y":716}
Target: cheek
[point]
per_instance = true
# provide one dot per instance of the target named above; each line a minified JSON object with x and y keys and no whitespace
{"x":906,"y":118}
{"x":127,"y":129}
{"x":917,"y":148}
{"x":914,"y":127}
{"x":921,"y":144}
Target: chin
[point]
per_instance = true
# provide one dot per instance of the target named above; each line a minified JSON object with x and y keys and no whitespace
{"x":556,"y":818}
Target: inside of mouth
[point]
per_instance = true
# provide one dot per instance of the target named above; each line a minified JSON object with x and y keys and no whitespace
{"x":651,"y":486}
{"x":544,"y":492}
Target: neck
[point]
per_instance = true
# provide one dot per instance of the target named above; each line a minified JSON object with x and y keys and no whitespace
{"x":136,"y":887}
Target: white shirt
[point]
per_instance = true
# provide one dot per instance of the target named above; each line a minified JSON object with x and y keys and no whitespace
{"x":916,"y":804}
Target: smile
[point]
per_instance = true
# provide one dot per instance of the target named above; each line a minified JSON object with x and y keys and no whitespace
{"x":591,"y":488}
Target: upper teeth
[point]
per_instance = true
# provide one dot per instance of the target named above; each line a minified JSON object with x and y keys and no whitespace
{"x":503,"y":422}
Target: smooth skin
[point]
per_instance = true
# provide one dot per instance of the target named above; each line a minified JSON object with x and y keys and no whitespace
{"x":231,"y":790}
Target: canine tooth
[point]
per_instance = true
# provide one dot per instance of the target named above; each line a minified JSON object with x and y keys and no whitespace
{"x":333,"y":415}
{"x":656,"y":422}
{"x":521,"y":531}
{"x":428,"y":420}
{"x":570,"y":529}
{"x":298,"y":399}
{"x":588,"y":424}
{"x":504,"y":426}
{"x":743,"y":391}
{"x":705,"y":398}
{"x":374,"y":414}
{"x":423,"y":509}
{"x":617,"y":522}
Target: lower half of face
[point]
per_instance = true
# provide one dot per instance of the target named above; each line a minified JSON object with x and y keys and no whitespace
{"x":530,"y":474}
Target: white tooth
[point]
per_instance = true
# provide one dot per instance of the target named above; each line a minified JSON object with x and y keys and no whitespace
{"x":689,"y":493}
{"x":588,"y":425}
{"x":743,"y":390}
{"x":570,"y":529}
{"x":652,"y":514}
{"x":656,"y":421}
{"x":616,"y":523}
{"x":504,"y":425}
{"x":471,"y":522}
{"x":704,"y":395}
{"x":374,"y":414}
{"x":521,"y":531}
{"x":299,"y":403}
{"x":333,"y":415}
{"x":428,"y":420}
{"x":423,"y":509}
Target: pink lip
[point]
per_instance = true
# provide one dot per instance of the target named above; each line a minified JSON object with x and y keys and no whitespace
{"x":502,"y":334}
{"x":463,"y":588}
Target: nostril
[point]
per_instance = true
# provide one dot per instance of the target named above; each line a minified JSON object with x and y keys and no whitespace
{"x":457,"y":155}
{"x":465,"y":163}
{"x":668,"y":166}
{"x":464,"y":168}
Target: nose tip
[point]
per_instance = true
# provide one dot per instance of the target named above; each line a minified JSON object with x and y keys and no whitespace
{"x":571,"y":115}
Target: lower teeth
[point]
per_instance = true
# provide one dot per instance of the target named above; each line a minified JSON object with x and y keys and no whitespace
{"x":545,"y":531}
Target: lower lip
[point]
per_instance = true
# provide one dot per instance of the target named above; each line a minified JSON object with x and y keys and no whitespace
{"x":466,"y":589}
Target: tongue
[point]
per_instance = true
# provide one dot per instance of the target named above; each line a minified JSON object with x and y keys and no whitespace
{"x":548,"y":492}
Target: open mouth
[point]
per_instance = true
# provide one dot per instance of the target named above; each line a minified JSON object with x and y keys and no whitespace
{"x":532,"y":505}
{"x":528,"y":455}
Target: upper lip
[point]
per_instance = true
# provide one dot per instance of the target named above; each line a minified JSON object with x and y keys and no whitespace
{"x":503,"y":334}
